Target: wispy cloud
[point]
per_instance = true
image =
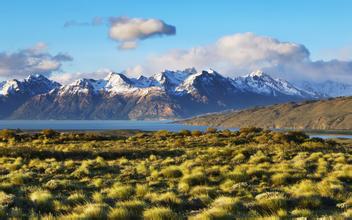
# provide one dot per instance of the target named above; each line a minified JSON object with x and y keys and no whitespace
{"x":67,"y":77}
{"x":96,"y":21}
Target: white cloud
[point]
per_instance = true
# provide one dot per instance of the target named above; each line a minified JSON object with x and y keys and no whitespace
{"x":134,"y":71}
{"x":241,"y":53}
{"x":32,"y":60}
{"x":128,"y":31}
{"x":67,"y":78}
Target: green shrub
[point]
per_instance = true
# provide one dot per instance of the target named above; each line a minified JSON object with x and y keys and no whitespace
{"x":196,"y":133}
{"x":185,"y":132}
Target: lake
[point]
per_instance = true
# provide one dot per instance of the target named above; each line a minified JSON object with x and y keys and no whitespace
{"x":114,"y":125}
{"x":96,"y":125}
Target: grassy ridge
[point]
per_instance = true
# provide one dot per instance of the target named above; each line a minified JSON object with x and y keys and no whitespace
{"x":251,"y":173}
{"x":333,"y":114}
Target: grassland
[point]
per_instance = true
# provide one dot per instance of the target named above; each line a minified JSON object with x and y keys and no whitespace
{"x":247,"y":174}
{"x":329,"y":114}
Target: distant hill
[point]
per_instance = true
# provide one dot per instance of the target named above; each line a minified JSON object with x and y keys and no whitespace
{"x":324,"y":114}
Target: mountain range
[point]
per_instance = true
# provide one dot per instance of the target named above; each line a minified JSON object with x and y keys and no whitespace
{"x":165,"y":95}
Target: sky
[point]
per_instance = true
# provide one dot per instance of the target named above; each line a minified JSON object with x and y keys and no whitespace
{"x":65,"y":40}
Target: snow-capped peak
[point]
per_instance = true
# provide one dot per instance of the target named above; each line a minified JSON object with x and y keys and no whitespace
{"x":209,"y":70}
{"x":208,"y":78}
{"x":171,"y":79}
{"x":257,"y":73}
{"x":260,"y":82}
{"x":32,"y":85}
{"x":80,"y":86}
{"x":117,"y":79}
{"x":35,"y":77}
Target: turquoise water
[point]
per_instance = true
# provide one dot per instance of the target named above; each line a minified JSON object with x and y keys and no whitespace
{"x":326,"y":136}
{"x":113,"y":125}
{"x":95,"y":125}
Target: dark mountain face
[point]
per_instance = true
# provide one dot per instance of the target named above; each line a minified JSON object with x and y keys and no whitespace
{"x":14,"y":93}
{"x":165,"y":95}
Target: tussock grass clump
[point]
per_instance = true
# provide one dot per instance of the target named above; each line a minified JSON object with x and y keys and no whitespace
{"x":77,"y":198}
{"x":301,"y":213}
{"x":222,"y":208}
{"x":130,"y":209}
{"x":83,"y":170}
{"x":165,"y":199}
{"x":119,"y":191}
{"x":42,"y":199}
{"x":120,"y":213}
{"x":281,"y":178}
{"x":89,"y":211}
{"x":141,"y":190}
{"x":6,"y":199}
{"x":271,"y":201}
{"x":203,"y":190}
{"x":171,"y":172}
{"x":228,"y":203}
{"x":193,"y":179}
{"x":307,"y":194}
{"x":238,"y":175}
{"x":347,"y":213}
{"x":160,"y":213}
{"x":213,"y":213}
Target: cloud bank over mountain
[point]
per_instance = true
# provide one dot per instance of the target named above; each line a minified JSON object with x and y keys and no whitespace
{"x":31,"y":60}
{"x":245,"y":52}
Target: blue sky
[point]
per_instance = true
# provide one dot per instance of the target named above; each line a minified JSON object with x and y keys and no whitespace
{"x":323,"y":27}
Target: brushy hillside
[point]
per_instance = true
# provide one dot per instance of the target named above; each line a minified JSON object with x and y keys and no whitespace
{"x":249,"y":174}
{"x":325,"y":114}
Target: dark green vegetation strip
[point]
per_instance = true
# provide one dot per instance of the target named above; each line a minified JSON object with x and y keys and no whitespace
{"x":30,"y":153}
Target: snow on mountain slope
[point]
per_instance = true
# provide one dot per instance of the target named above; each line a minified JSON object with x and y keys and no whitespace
{"x":119,"y":83}
{"x":262,"y":83}
{"x":328,"y":88}
{"x":82,"y":86}
{"x":173,"y":82}
{"x":113,"y":83}
{"x":207,"y":79}
{"x":9,"y":87}
{"x":32,"y":85}
{"x":171,"y":79}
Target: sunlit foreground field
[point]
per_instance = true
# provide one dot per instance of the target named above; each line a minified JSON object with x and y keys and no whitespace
{"x":249,"y":174}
